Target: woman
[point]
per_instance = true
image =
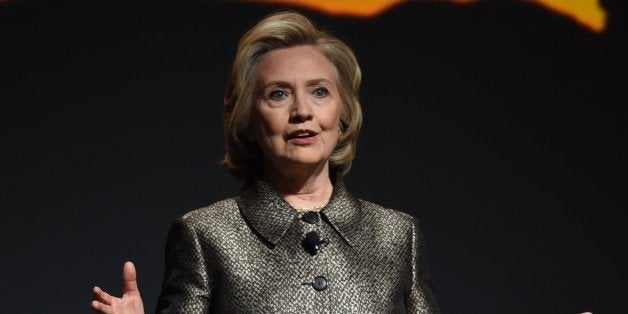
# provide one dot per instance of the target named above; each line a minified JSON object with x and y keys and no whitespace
{"x":294,"y":239}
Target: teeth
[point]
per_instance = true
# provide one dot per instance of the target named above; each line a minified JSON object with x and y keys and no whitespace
{"x":303,"y":134}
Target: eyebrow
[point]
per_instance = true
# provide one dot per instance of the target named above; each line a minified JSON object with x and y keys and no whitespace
{"x":311,"y":82}
{"x":318,"y":81}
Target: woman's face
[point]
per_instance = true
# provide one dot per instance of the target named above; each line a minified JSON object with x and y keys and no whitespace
{"x":296,"y":110}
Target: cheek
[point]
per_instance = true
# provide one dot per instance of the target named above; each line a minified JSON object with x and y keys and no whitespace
{"x":331,"y":118}
{"x":267,"y":124}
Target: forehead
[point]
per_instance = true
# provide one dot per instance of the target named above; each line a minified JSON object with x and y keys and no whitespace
{"x":295,"y":64}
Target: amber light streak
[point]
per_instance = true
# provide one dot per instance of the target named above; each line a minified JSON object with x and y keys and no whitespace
{"x":586,"y":12}
{"x":358,"y":8}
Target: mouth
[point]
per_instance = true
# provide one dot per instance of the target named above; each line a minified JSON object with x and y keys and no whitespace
{"x":301,"y":134}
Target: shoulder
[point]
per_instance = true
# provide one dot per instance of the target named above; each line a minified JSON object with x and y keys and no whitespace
{"x":215,"y":215}
{"x":389,"y":215}
{"x":387,"y":222}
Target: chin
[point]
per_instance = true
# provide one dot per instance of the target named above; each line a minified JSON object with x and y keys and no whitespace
{"x":305,"y":161}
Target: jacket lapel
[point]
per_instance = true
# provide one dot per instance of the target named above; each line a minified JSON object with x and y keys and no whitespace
{"x":265,"y":211}
{"x":271,"y":216}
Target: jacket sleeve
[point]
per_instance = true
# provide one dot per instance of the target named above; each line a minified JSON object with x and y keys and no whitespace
{"x":186,"y":284}
{"x":420,"y":298}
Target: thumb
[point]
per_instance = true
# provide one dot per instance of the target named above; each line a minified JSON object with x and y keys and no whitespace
{"x":129,"y":279}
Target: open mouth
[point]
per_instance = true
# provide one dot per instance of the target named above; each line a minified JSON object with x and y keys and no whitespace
{"x":300,"y":134}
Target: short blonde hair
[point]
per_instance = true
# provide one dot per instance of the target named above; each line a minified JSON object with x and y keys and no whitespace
{"x":283,"y":30}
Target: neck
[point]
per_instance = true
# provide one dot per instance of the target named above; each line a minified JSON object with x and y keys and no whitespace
{"x":303,"y":189}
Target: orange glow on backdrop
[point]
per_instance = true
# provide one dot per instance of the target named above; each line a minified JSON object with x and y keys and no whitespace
{"x":359,"y":8}
{"x":586,"y":12}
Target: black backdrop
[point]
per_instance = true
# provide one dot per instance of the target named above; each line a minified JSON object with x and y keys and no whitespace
{"x":500,"y":125}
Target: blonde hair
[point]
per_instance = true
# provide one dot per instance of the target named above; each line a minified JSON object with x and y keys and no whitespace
{"x":283,"y":30}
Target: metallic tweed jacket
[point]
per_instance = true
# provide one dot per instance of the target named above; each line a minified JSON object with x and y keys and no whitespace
{"x":255,"y":254}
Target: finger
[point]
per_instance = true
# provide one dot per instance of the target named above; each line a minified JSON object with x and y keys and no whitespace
{"x":102,"y":296}
{"x":129,"y":279}
{"x":100,"y":307}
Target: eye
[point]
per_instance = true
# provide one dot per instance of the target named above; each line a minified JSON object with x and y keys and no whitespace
{"x":277,"y":95}
{"x":320,"y":92}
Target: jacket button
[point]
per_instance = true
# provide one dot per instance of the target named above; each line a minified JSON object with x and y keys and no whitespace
{"x":319,"y":283}
{"x":310,"y":217}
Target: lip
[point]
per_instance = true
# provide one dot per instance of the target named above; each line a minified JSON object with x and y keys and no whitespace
{"x":297,"y":137}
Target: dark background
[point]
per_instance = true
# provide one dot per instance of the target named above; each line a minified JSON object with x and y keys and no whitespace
{"x":500,"y":125}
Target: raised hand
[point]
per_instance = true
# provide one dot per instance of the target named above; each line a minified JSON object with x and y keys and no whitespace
{"x":130,"y":302}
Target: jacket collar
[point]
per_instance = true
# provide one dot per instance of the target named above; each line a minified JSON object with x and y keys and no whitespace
{"x":271,"y":216}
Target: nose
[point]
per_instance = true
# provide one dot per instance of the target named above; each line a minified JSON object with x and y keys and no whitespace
{"x":301,"y":109}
